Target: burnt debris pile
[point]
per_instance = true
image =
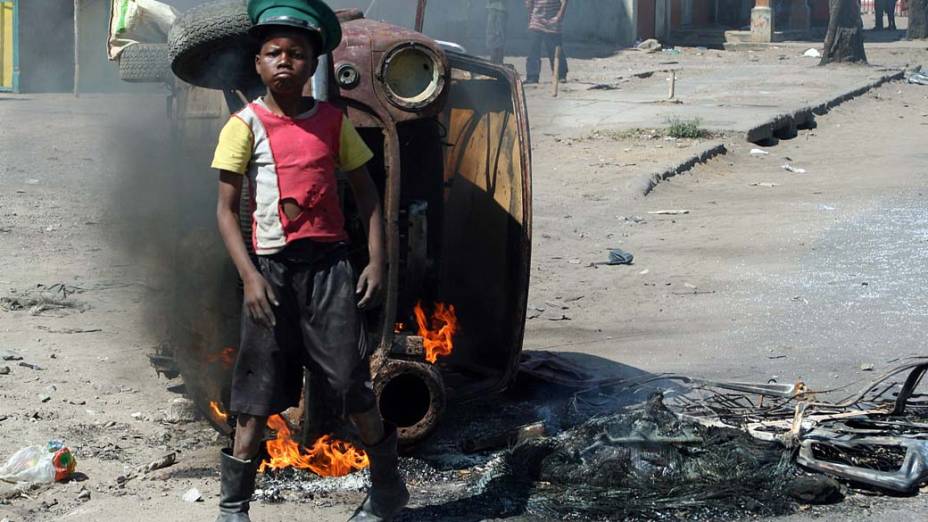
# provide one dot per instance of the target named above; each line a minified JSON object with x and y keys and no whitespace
{"x":568,"y":444}
{"x":643,"y":463}
{"x":705,"y":450}
{"x":648,"y":463}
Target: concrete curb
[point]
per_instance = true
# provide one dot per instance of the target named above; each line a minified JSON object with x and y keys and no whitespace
{"x":786,"y":125}
{"x":648,"y":182}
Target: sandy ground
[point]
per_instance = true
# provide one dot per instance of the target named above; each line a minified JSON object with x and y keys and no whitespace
{"x":770,"y":274}
{"x":746,"y":245}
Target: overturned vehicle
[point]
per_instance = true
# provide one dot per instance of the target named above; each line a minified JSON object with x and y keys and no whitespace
{"x":453,"y":167}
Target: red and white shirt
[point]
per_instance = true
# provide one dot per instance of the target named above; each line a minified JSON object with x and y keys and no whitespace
{"x":291,"y":159}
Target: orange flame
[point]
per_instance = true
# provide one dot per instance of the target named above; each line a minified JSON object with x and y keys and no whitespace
{"x":327,"y":457}
{"x":217,"y":411}
{"x":226,"y":357}
{"x":399,"y":327}
{"x":437,"y":341}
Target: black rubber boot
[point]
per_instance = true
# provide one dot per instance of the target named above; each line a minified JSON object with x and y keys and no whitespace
{"x":237,"y":487}
{"x":388,"y":494}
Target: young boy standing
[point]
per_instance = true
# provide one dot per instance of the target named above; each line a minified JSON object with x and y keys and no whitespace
{"x":545,"y":18}
{"x":302,"y":304}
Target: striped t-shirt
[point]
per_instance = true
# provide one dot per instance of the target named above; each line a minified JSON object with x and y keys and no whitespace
{"x":542,"y":15}
{"x":296,"y":159}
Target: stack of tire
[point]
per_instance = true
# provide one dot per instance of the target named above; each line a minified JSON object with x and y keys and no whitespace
{"x":207,"y":47}
{"x":145,"y":62}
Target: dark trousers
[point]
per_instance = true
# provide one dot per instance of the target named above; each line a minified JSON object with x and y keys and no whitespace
{"x":888,"y":7}
{"x":319,"y":327}
{"x":533,"y":63}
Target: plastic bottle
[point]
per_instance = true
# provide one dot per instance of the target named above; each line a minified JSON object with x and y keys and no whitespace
{"x":37,"y":464}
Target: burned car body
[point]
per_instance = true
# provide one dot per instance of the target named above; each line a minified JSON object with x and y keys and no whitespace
{"x":453,"y":167}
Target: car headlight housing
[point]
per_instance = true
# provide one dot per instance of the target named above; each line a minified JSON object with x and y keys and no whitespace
{"x":412,"y":76}
{"x":347,"y":76}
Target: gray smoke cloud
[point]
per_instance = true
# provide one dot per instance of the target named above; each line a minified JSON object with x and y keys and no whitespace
{"x":168,"y":191}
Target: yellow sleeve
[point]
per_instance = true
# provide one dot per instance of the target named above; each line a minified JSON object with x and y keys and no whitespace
{"x":235,"y":146}
{"x":353,"y":153}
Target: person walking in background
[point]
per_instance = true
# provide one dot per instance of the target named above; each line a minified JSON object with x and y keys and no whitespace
{"x":888,"y":7}
{"x":544,"y":28}
{"x":496,"y":29}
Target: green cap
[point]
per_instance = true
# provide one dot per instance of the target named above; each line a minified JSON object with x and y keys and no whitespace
{"x":314,"y":16}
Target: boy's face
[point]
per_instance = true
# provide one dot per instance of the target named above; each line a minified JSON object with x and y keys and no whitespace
{"x":286,"y":61}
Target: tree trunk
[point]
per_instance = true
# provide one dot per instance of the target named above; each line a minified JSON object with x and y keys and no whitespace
{"x":844,"y":41}
{"x":918,"y":19}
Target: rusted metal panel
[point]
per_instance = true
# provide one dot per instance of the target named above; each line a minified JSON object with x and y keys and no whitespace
{"x":367,"y":46}
{"x":487,"y":247}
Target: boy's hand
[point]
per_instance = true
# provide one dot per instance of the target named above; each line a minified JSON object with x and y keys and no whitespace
{"x":370,"y":285}
{"x":259,"y":296}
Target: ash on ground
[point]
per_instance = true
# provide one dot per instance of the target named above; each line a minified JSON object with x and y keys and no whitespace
{"x":295,"y":485}
{"x":304,"y":486}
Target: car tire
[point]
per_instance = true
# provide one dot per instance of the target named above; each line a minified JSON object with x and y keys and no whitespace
{"x":139,"y":63}
{"x":210,"y":47}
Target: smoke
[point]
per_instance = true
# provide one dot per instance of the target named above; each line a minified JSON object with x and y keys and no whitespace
{"x":166,"y":194}
{"x":46,"y":46}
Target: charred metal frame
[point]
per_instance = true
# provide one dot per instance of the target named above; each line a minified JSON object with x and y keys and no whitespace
{"x":912,"y":472}
{"x":364,"y":45}
{"x":368,"y":106}
{"x":366,"y":49}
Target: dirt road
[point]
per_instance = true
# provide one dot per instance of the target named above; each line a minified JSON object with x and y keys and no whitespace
{"x":762,"y":262}
{"x":769,"y":274}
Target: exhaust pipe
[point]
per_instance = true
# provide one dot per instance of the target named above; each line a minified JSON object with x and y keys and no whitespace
{"x":411,"y":395}
{"x":320,"y":80}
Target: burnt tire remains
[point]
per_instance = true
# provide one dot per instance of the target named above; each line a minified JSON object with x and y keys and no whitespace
{"x":141,"y":63}
{"x":210,"y":47}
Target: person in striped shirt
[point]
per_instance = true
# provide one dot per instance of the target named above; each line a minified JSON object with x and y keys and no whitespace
{"x":544,"y":28}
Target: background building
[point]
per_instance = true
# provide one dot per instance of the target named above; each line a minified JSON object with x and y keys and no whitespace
{"x":37,"y":47}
